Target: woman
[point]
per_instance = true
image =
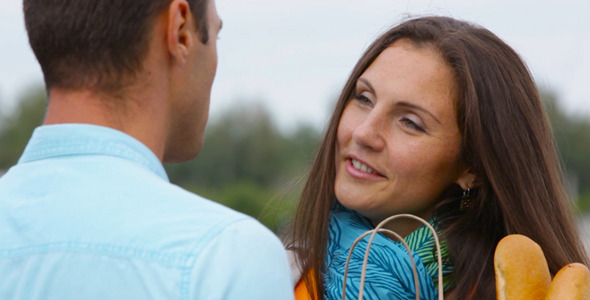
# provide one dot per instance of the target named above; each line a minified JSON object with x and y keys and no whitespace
{"x":440,"y":119}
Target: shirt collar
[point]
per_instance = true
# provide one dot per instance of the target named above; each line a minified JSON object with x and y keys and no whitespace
{"x":57,"y":140}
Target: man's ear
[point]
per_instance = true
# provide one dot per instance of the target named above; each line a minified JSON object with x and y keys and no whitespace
{"x":467,"y":180}
{"x":180,"y":30}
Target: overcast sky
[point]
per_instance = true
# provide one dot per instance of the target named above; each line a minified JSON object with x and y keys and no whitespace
{"x":293,"y":56}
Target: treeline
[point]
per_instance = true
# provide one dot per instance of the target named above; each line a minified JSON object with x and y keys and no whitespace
{"x":248,"y":164}
{"x":17,"y":125}
{"x":572,"y":135}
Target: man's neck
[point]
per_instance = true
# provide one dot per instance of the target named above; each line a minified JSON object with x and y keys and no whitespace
{"x":137,"y":116}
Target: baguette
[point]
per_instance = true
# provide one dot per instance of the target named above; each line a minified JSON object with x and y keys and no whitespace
{"x":572,"y":282}
{"x":521,"y":269}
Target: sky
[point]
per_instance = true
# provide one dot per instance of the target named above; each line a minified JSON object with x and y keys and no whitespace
{"x":294,"y":56}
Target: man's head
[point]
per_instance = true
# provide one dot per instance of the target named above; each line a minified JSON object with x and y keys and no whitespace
{"x":193,"y":70}
{"x":159,"y":55}
{"x":95,"y":44}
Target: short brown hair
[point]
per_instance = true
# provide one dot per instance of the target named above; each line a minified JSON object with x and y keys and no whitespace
{"x":95,"y":44}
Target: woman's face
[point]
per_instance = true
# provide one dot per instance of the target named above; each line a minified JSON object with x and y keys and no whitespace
{"x":398,"y":140}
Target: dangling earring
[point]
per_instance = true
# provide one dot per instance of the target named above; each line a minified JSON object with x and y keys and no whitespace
{"x":466,"y":200}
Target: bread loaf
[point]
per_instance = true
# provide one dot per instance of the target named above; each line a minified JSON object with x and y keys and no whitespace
{"x":521,"y":269}
{"x":572,"y":282}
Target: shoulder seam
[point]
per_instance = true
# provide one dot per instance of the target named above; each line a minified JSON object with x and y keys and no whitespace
{"x":201,"y":244}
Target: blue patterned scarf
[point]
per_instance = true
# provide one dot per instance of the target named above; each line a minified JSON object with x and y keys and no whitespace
{"x":389,"y":270}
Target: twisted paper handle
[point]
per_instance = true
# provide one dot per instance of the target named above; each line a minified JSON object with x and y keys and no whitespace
{"x":373,"y":232}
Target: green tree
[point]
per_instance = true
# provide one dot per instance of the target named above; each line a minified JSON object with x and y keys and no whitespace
{"x":245,"y":143}
{"x":572,"y":135}
{"x":17,"y":126}
{"x":248,"y":164}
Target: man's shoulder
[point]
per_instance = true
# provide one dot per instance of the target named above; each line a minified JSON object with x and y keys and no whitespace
{"x":172,"y":213}
{"x":131,"y":208}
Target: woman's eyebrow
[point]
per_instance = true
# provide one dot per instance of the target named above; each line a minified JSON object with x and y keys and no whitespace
{"x":417,"y":107}
{"x":369,"y":86}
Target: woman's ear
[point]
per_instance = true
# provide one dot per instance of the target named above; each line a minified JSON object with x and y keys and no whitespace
{"x":467,"y":180}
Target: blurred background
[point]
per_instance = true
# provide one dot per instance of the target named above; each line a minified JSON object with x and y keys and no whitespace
{"x":281,"y":66}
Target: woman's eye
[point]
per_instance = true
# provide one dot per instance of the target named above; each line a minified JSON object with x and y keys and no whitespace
{"x":362,"y":99}
{"x":408,"y":123}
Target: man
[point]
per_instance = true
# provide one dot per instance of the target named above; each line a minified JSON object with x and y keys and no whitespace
{"x":88,"y":212}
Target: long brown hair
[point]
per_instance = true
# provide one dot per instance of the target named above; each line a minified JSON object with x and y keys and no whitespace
{"x":506,"y":141}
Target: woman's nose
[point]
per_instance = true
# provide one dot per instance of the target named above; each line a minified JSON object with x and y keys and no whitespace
{"x":369,"y":133}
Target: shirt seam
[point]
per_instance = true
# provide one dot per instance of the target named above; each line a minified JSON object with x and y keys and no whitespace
{"x":188,"y":264}
{"x":100,"y":141}
{"x":72,"y":149}
{"x":173,"y":259}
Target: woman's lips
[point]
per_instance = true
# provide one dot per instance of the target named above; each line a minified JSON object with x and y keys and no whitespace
{"x":359,"y":169}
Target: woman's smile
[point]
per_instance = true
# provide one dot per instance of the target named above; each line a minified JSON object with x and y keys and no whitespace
{"x":358,"y":169}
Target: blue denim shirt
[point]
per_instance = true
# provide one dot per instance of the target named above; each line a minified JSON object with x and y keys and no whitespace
{"x":89,"y":213}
